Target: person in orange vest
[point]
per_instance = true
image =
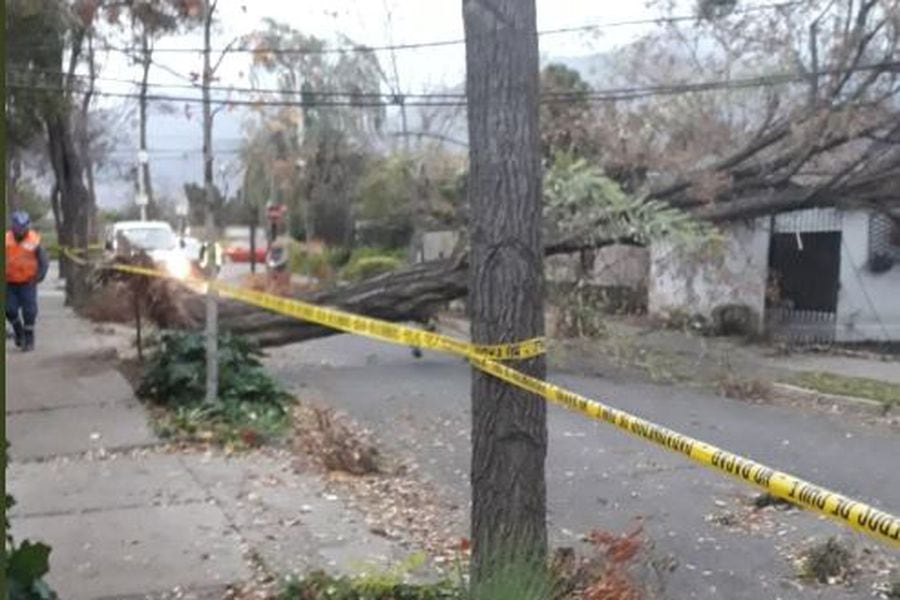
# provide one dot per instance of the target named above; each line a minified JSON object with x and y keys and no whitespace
{"x":26,"y":266}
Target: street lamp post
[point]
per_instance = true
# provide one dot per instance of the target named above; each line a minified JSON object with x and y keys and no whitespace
{"x":181,"y":211}
{"x":307,"y":223}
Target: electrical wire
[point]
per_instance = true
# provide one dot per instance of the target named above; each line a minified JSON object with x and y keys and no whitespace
{"x":439,"y":100}
{"x":359,"y":48}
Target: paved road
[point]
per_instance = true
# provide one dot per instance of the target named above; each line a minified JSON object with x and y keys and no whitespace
{"x":599,"y":477}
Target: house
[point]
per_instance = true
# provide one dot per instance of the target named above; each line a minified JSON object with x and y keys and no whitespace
{"x":815,"y":275}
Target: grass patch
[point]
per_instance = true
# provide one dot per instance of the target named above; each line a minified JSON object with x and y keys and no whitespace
{"x":251,"y":408}
{"x":840,"y":385}
{"x":321,"y":586}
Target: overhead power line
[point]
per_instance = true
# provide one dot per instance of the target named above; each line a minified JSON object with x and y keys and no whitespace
{"x":360,"y":48}
{"x":334,"y":98}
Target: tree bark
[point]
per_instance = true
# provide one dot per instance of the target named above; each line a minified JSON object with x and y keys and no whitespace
{"x":509,"y":429}
{"x":74,"y":201}
{"x":84,"y":135}
{"x":212,"y":319}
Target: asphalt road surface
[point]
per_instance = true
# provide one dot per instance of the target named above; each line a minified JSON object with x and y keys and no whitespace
{"x":598,"y":476}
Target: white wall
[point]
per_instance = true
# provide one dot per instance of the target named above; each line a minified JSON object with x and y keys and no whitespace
{"x":614,"y":266}
{"x":619,"y":265}
{"x":868,"y":303}
{"x":737,"y":275}
{"x":438,"y":244}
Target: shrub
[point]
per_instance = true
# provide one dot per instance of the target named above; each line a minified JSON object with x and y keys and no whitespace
{"x":375,"y":252}
{"x":303,"y":262}
{"x":370,"y":266}
{"x":250,"y":403}
{"x":338,"y":257}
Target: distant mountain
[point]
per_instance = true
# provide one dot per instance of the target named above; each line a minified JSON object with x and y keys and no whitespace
{"x":175,"y":146}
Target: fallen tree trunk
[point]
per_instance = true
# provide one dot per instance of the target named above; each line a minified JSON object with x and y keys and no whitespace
{"x":410,"y":294}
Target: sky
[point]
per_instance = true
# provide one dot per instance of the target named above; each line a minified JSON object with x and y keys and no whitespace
{"x":365,"y":22}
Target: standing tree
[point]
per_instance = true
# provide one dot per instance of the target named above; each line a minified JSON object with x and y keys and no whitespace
{"x":335,"y":125}
{"x":509,"y":428}
{"x":212,"y":317}
{"x":41,"y":103}
{"x":149,"y":21}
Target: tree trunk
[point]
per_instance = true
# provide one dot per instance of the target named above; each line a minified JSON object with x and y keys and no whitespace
{"x":408,"y":295}
{"x":85,"y":136}
{"x":509,"y":428}
{"x":73,"y":229}
{"x":212,"y":319}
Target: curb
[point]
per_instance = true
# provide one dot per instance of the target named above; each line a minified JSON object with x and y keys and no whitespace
{"x":866,"y":405}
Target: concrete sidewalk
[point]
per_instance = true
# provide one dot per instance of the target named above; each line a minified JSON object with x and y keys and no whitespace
{"x":128,"y":518}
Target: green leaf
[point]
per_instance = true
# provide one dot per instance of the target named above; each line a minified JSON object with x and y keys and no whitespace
{"x":29,"y":562}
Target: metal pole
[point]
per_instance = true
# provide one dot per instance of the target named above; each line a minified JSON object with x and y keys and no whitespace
{"x":142,"y":188}
{"x":212,"y":325}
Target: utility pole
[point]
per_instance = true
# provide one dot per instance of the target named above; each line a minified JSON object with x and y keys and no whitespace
{"x":506,"y":288}
{"x":143,"y":166}
{"x":212,"y":325}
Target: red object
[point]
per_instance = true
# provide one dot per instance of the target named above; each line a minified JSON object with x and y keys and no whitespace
{"x":241,"y":254}
{"x":21,"y":257}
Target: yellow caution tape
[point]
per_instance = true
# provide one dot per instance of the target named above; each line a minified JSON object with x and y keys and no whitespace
{"x":351,"y":323}
{"x":380,"y":329}
{"x":862,"y":517}
{"x":858,"y":515}
{"x":71,"y":254}
{"x":73,"y":251}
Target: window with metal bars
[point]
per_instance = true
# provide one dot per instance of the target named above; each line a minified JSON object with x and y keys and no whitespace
{"x":884,"y":242}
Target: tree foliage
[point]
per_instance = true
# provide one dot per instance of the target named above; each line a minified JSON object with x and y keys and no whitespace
{"x":801,"y":109}
{"x":566,"y":115}
{"x":581,"y":203}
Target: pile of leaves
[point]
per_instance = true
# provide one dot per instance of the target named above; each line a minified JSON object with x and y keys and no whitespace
{"x":331,"y":439}
{"x":250,"y":409}
{"x":827,"y":562}
{"x":25,"y":564}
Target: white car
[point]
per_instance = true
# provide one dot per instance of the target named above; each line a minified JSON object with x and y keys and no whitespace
{"x":191,"y":247}
{"x":156,"y":238}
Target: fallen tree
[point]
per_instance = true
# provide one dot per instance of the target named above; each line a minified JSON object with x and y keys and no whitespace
{"x":827,"y":135}
{"x":411,"y":294}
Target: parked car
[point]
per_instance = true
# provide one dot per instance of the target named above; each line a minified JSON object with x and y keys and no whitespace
{"x":241,"y":253}
{"x":155,"y":238}
{"x":191,"y":247}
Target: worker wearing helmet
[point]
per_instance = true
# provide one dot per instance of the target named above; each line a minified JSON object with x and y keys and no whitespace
{"x":26,"y":266}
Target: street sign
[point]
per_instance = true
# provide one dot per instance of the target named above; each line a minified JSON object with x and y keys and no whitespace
{"x":142,"y":199}
{"x":276,"y":212}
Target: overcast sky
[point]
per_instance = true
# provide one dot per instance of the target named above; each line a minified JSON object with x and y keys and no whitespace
{"x":365,"y":22}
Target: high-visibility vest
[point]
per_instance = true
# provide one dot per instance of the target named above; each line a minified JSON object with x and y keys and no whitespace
{"x":22,"y":257}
